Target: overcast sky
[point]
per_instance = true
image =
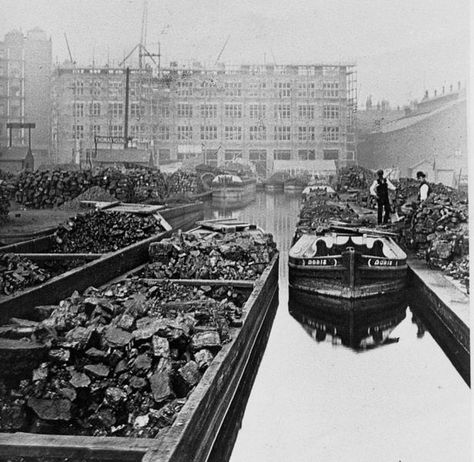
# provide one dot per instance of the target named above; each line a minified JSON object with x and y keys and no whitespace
{"x":401,"y":47}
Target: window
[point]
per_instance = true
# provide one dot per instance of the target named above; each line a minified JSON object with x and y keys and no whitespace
{"x":164,"y":133}
{"x":136,"y":110}
{"x":233,"y":133}
{"x":78,"y":109}
{"x":232,"y":155}
{"x":330,"y":89}
{"x":208,"y":111}
{"x":281,"y":154}
{"x":95,"y":130}
{"x":117,"y":109}
{"x":115,"y":88}
{"x":164,"y":155}
{"x":306,"y":112}
{"x":331,"y":111}
{"x":350,"y":155}
{"x":233,"y":89}
{"x":185,"y":132}
{"x":209,"y":132}
{"x":282,"y":111}
{"x":283,"y":89}
{"x":184,"y":88}
{"x":185,"y":110}
{"x":306,"y":134}
{"x":331,"y":133}
{"x":258,"y":133}
{"x":95,"y":87}
{"x":165,"y":111}
{"x":134,"y":131}
{"x":330,"y":154}
{"x":306,"y":154}
{"x":134,"y":89}
{"x":257,"y":88}
{"x":209,"y":89}
{"x":233,"y":110}
{"x":282,"y":133}
{"x":257,"y":111}
{"x":94,"y":109}
{"x":77,"y":132}
{"x":116,"y":130}
{"x":210,"y":157}
{"x":78,"y":88}
{"x":257,"y":154}
{"x":306,"y":90}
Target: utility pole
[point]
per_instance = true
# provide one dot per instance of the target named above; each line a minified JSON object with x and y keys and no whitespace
{"x":125,"y":127}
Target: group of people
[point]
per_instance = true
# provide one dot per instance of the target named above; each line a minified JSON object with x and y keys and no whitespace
{"x":380,"y":188}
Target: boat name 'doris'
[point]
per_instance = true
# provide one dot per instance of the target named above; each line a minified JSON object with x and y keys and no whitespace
{"x":374,"y":262}
{"x":321,"y":262}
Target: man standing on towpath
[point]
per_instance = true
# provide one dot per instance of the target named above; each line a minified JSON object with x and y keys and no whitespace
{"x":379,"y":189}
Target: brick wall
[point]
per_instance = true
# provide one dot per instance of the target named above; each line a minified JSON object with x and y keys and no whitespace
{"x":440,"y":135}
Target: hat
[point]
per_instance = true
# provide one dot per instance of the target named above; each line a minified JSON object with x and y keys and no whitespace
{"x":380,"y":172}
{"x":420,"y":174}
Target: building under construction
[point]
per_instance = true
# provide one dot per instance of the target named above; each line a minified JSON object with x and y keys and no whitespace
{"x":249,"y":113}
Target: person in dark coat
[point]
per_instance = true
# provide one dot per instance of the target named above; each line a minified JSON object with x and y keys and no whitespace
{"x":379,"y":189}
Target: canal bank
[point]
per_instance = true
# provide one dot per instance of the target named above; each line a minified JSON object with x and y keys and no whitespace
{"x":446,"y":308}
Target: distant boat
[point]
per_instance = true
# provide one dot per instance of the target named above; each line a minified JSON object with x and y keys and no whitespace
{"x":234,"y":189}
{"x":355,"y":324}
{"x":347,"y":263}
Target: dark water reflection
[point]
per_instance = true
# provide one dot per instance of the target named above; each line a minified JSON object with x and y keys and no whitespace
{"x":333,"y":400}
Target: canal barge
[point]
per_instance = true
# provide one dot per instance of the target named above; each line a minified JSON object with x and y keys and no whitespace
{"x":348,"y":263}
{"x":233,"y":188}
{"x":193,"y":432}
{"x":93,"y":269}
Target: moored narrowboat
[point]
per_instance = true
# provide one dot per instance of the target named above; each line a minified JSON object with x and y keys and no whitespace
{"x":347,"y":264}
{"x":233,"y":187}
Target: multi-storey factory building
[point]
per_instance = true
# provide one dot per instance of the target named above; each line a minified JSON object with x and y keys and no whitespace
{"x":254,"y":114}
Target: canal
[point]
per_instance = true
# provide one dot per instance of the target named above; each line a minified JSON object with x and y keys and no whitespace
{"x":314,"y":396}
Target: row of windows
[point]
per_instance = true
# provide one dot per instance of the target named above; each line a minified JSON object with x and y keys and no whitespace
{"x":257,"y":155}
{"x":208,"y":111}
{"x":231,"y":133}
{"x":184,"y":88}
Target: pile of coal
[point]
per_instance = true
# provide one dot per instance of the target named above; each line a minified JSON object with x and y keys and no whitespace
{"x":354,"y":177}
{"x":459,"y":269}
{"x":120,"y":361}
{"x":17,"y":273}
{"x":48,"y":189}
{"x":438,"y":231}
{"x":100,"y":231}
{"x":228,"y":256}
{"x":319,"y":210}
{"x":96,"y":193}
{"x":4,"y":200}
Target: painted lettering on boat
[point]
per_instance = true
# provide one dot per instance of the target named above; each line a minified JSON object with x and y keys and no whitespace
{"x":320,"y":262}
{"x":377,"y":262}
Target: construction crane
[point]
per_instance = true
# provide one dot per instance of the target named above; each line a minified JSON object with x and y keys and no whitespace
{"x":69,"y":50}
{"x":223,"y":48}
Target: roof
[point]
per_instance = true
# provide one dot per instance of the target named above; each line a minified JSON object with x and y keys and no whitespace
{"x":408,"y":121}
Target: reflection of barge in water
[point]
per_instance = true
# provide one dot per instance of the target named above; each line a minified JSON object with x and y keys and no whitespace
{"x":347,"y":263}
{"x":358,"y":324}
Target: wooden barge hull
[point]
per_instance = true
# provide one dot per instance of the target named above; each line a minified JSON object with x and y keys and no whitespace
{"x":237,"y":192}
{"x":94,"y":273}
{"x":193,"y":433}
{"x":336,"y":281}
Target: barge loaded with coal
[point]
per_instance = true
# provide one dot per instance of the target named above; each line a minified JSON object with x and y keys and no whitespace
{"x":141,"y":358}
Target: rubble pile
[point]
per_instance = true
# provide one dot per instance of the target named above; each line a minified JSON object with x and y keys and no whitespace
{"x":48,"y":189}
{"x":120,"y":361}
{"x":230,"y":256}
{"x":17,"y":273}
{"x":100,"y":231}
{"x":354,"y":177}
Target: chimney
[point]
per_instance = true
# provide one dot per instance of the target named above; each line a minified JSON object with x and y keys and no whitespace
{"x":436,"y":93}
{"x":451,"y":88}
{"x":443,"y":89}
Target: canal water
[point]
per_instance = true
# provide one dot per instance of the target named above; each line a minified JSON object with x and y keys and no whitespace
{"x":311,"y":394}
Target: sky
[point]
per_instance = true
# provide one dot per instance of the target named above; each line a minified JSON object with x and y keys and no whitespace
{"x":400,"y":47}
